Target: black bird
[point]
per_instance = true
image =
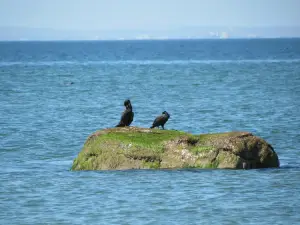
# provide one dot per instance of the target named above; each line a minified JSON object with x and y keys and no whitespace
{"x":161,"y":120}
{"x":127,"y":116}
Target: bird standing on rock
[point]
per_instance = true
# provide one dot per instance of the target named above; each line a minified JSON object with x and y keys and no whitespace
{"x":127,"y":116}
{"x":161,"y":120}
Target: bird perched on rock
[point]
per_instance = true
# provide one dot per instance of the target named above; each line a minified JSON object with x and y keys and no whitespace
{"x":127,"y":116}
{"x":161,"y":120}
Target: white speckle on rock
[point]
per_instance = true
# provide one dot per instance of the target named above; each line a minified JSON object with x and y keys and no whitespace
{"x":185,"y":154}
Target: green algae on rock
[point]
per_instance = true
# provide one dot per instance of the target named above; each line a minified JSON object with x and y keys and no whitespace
{"x":142,"y":148}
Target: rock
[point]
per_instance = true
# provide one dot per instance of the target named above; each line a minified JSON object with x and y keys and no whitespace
{"x":141,"y":148}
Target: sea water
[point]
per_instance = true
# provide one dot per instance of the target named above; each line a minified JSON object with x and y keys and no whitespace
{"x":53,"y":95}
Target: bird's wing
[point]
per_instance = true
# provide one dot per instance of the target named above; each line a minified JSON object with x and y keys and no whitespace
{"x":125,"y":115}
{"x":131,"y":118}
{"x":157,"y":120}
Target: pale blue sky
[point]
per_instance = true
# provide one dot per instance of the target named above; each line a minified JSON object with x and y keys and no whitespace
{"x":150,"y":14}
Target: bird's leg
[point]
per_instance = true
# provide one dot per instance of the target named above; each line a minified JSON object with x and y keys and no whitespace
{"x":162,"y":127}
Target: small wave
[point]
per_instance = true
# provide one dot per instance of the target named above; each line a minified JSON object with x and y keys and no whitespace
{"x":147,"y":62}
{"x":290,"y":166}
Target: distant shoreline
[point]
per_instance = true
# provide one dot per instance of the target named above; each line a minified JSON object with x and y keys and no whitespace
{"x":154,"y":39}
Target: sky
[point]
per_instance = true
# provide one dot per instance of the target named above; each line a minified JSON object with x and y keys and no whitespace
{"x":150,"y":14}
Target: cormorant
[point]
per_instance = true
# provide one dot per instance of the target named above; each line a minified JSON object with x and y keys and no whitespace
{"x":161,"y":120}
{"x":127,"y":116}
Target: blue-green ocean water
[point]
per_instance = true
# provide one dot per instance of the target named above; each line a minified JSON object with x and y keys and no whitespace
{"x":54,"y":94}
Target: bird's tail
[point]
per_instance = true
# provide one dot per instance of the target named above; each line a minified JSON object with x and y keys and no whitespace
{"x":151,"y":127}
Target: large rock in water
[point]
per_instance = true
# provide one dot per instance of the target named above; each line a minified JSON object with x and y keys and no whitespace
{"x":141,"y":148}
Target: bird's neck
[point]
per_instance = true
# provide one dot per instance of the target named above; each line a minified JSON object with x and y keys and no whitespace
{"x":129,"y":107}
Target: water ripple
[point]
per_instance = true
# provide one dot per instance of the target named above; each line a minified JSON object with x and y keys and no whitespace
{"x":147,"y":62}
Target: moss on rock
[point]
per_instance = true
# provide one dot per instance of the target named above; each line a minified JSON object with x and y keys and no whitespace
{"x":142,"y":148}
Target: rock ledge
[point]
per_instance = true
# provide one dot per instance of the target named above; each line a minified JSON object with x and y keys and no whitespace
{"x":142,"y":148}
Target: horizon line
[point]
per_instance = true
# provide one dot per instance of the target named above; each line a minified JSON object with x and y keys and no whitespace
{"x":138,"y":28}
{"x":148,"y":39}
